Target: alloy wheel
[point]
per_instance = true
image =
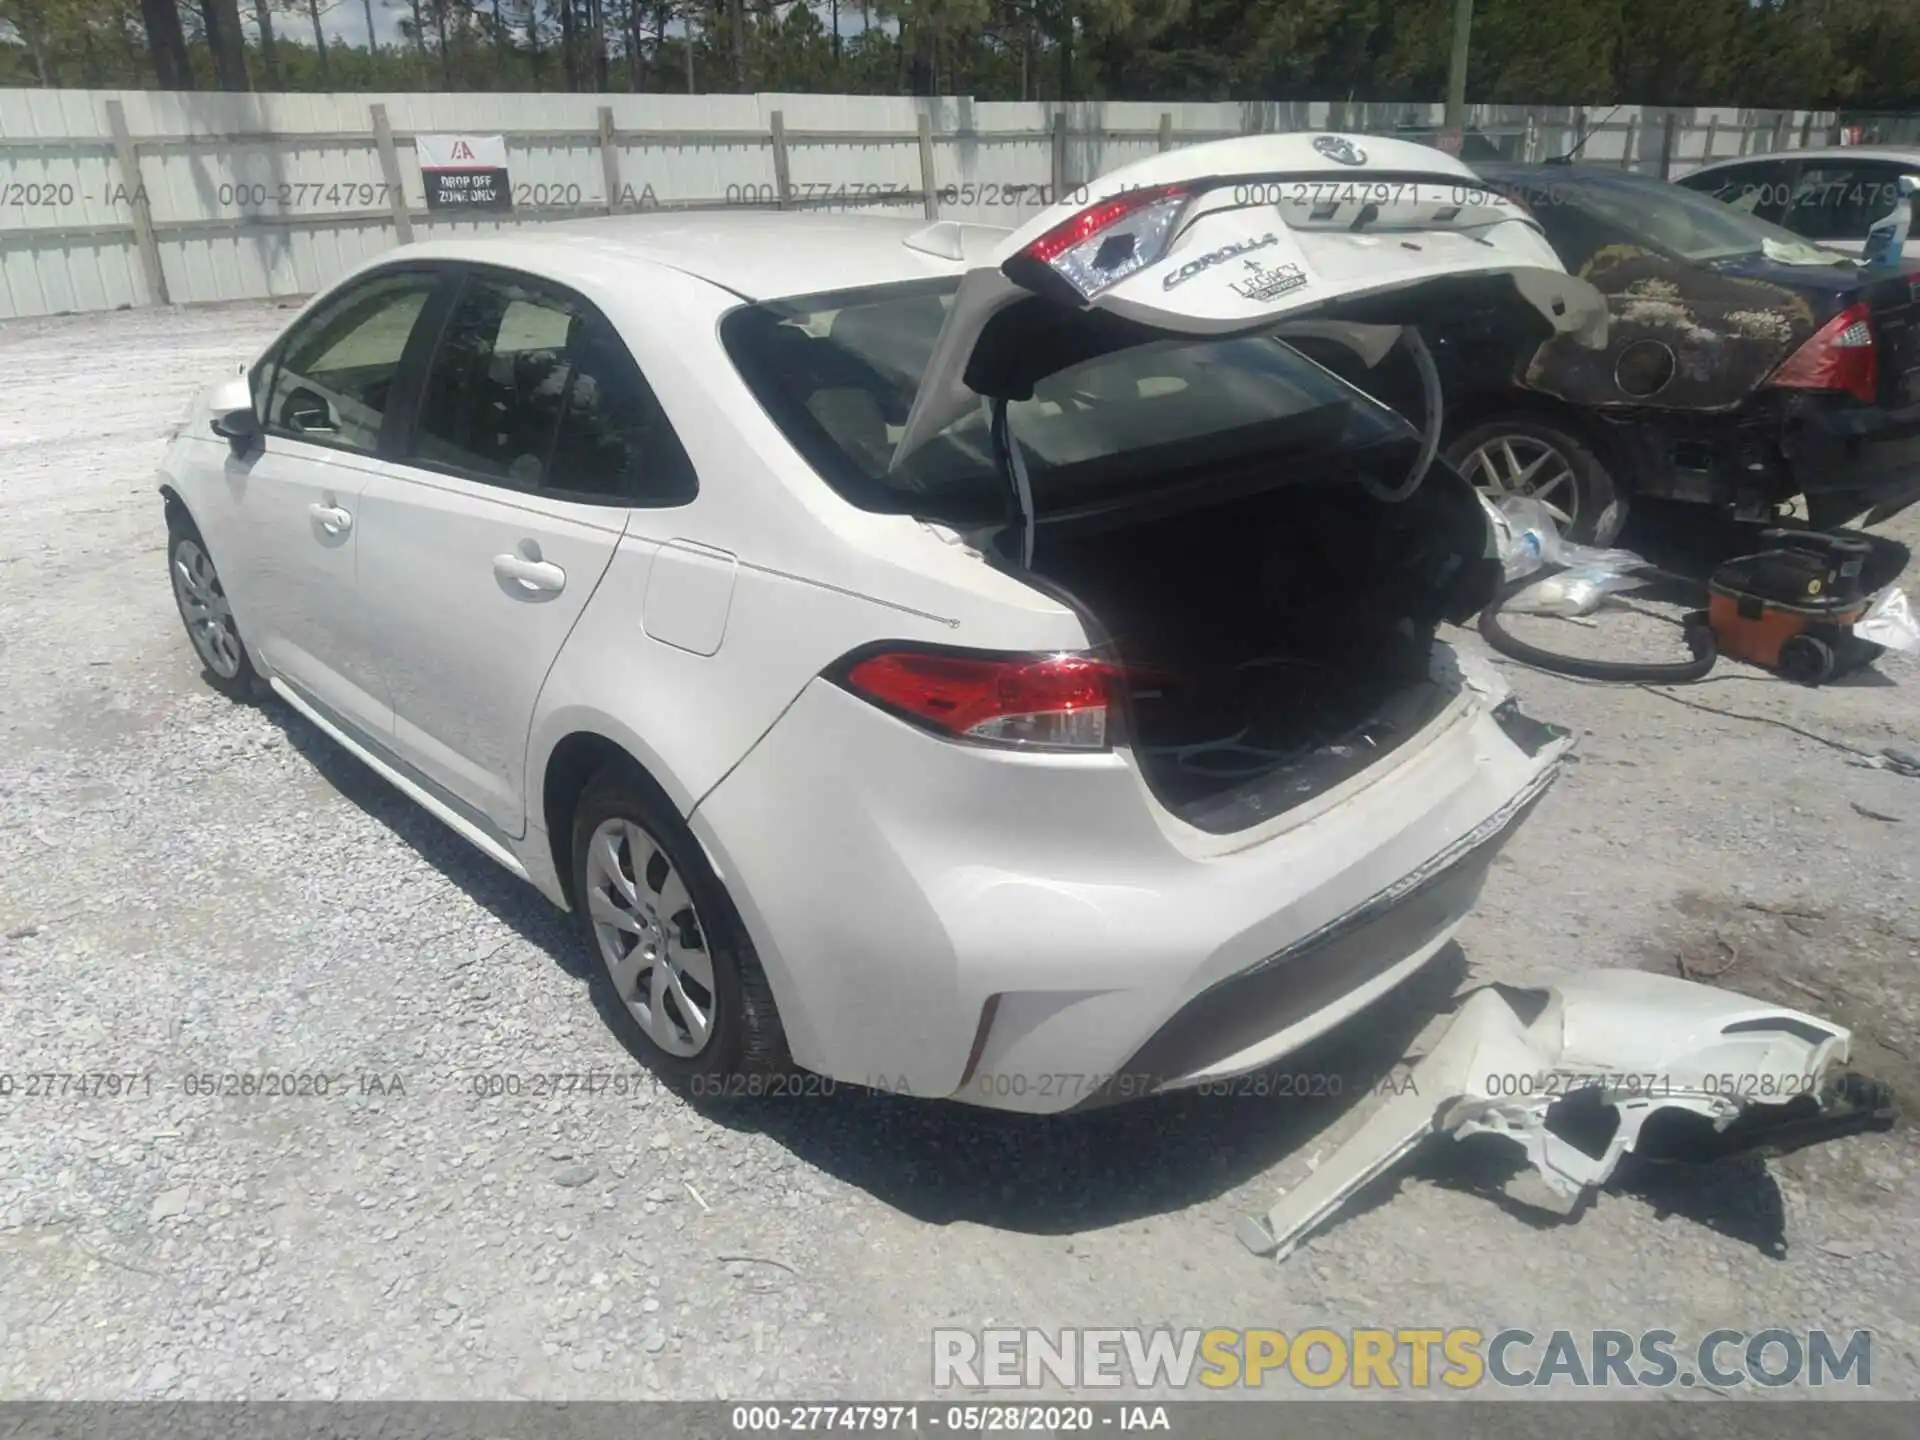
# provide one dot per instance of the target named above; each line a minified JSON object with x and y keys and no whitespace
{"x":203,"y":605}
{"x":1523,"y":465}
{"x":650,"y":938}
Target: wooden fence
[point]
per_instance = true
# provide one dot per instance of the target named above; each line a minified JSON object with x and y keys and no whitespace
{"x":117,"y":198}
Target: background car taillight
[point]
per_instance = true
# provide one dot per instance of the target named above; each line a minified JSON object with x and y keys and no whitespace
{"x":1027,"y":702}
{"x":1105,"y":243}
{"x":1840,"y":356}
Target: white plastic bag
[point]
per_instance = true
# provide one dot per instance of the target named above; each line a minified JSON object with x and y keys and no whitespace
{"x":1571,"y":592}
{"x":1890,"y":622}
{"x":1527,"y":539}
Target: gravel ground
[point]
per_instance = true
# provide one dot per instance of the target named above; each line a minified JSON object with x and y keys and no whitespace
{"x":189,"y":886}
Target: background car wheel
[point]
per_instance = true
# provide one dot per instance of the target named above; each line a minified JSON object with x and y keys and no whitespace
{"x":1520,"y":455}
{"x":671,"y":944}
{"x":204,"y":610}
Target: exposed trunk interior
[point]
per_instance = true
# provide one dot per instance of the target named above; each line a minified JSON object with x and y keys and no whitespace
{"x":1283,"y":639}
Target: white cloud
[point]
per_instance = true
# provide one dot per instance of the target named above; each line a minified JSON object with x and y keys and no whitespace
{"x":347,"y":22}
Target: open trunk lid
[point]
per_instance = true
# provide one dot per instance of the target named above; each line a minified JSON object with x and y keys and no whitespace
{"x":1238,"y":236}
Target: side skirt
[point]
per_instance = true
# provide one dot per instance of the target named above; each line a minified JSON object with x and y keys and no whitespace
{"x":417,"y":788}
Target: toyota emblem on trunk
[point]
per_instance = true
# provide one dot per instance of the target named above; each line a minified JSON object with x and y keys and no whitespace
{"x":1338,"y":147}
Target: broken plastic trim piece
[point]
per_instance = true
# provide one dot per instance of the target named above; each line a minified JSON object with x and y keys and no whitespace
{"x":1634,"y":1042}
{"x":1531,"y":735}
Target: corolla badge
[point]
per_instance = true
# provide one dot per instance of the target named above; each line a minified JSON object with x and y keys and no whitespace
{"x":1200,"y":264}
{"x":1339,"y":148}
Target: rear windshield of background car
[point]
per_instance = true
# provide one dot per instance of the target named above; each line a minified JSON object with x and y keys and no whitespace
{"x":837,"y":373}
{"x":1665,"y":217}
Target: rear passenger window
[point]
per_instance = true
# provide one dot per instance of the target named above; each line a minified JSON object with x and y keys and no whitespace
{"x":491,"y":405}
{"x":531,"y":388}
{"x":1841,"y":201}
{"x":1760,"y":190}
{"x":615,"y":440}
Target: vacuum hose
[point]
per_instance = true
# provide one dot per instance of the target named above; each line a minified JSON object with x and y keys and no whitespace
{"x":1698,"y":634}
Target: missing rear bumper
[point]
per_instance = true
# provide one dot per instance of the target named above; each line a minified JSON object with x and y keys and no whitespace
{"x":1283,"y":994}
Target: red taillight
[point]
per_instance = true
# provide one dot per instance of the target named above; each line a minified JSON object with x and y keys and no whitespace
{"x":1105,"y":243}
{"x":1053,"y":702}
{"x":1840,"y":356}
{"x":1095,"y":218}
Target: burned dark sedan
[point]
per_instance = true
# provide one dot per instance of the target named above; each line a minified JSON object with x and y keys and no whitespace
{"x":1743,"y":367}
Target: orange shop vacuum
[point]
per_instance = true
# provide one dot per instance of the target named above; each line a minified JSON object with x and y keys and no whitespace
{"x":1791,"y":608}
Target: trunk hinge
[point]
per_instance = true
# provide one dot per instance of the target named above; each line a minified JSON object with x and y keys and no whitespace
{"x":1006,"y":454}
{"x":1435,"y":417}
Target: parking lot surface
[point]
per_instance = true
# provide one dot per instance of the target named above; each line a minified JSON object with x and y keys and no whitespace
{"x":191,"y":890}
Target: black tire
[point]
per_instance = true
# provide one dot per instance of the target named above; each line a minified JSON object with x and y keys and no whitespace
{"x":745,"y":1044}
{"x":1600,"y":504}
{"x":225,"y":663}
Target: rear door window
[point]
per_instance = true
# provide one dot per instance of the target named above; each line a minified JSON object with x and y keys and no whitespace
{"x":615,"y":441}
{"x":1840,"y":201}
{"x":532,"y":388}
{"x":1760,"y":189}
{"x":491,"y":404}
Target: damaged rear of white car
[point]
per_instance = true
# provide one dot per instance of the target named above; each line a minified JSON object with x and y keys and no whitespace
{"x":1189,"y":778}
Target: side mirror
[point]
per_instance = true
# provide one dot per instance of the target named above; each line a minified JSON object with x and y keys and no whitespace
{"x":307,"y":412}
{"x":234,"y":419}
{"x":237,"y":427}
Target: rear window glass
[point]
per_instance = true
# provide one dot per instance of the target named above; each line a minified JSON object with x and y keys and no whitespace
{"x":837,"y":373}
{"x":1666,"y":217}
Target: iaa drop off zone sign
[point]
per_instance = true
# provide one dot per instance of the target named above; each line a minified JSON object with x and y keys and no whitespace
{"x":464,"y":172}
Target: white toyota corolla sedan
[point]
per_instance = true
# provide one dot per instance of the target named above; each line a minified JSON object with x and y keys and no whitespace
{"x":994,"y":665}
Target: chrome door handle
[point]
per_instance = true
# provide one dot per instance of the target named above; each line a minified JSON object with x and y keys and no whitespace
{"x":538,"y":576}
{"x":332,"y":518}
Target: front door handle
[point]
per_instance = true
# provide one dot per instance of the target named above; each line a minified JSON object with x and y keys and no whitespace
{"x":534,"y":576}
{"x":331,"y":518}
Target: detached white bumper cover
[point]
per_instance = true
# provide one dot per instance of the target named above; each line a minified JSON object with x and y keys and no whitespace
{"x":1637,"y":1042}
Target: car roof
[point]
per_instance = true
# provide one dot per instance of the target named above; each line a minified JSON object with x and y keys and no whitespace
{"x":1899,"y":154}
{"x":755,"y":254}
{"x":1514,"y":170}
